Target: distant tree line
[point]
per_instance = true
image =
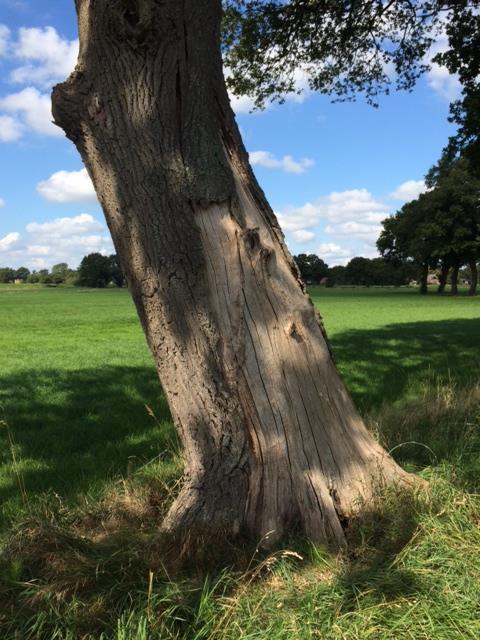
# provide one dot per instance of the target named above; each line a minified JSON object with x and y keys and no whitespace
{"x":95,"y":270}
{"x":98,"y":271}
{"x":359,"y":271}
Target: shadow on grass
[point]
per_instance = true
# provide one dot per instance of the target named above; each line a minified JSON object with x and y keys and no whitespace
{"x":419,"y":386}
{"x":371,"y":576}
{"x":75,"y":430}
{"x":380,"y":365}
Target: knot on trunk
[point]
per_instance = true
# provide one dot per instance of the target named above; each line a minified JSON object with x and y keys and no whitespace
{"x":294,"y":333}
{"x":136,"y":22}
{"x":96,"y":109}
{"x":342,"y":517}
{"x":252,"y":239}
{"x":68,"y":105}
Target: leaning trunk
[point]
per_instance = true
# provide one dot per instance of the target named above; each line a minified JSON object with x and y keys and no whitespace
{"x":454,"y":285}
{"x":424,"y":280}
{"x":472,"y":291}
{"x":272,"y":442}
{"x":442,"y":278}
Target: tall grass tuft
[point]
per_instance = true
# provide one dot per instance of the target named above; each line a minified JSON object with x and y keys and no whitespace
{"x":439,"y":427}
{"x":15,"y":462}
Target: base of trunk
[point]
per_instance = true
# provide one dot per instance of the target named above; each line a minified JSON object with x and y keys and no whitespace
{"x":205,"y":518}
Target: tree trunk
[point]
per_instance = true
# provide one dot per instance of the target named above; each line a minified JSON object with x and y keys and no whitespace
{"x":272,"y":442}
{"x":424,"y":280}
{"x":442,"y":279}
{"x":454,"y":286}
{"x":472,"y":291}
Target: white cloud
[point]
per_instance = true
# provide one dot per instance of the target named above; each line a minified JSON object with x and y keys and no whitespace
{"x":353,"y":215}
{"x":4,"y":39}
{"x":49,"y":57}
{"x":439,"y":78}
{"x":38,"y":250}
{"x":343,"y":205}
{"x":444,"y":83}
{"x":287,"y":163}
{"x":301,"y":235}
{"x":297,"y":218}
{"x":34,"y":110}
{"x":2,"y":203}
{"x":60,"y":240}
{"x":409,"y":190}
{"x":333,"y":254}
{"x":354,"y":229}
{"x":67,"y":186}
{"x":8,"y":241}
{"x":246,"y":104}
{"x":339,"y":206}
{"x":65,"y":227}
{"x":242,"y":104}
{"x":10,"y":129}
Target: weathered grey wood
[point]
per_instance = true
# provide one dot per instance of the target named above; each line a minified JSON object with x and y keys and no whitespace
{"x":272,"y":441}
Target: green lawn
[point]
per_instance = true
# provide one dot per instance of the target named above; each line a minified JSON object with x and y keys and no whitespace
{"x":76,"y":379}
{"x":388,"y":343}
{"x":76,"y":374}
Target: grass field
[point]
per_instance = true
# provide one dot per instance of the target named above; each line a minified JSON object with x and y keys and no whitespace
{"x":85,"y":423}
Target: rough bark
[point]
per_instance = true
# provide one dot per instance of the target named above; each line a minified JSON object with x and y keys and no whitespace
{"x":424,"y":280}
{"x":271,"y":439}
{"x":442,"y":278}
{"x":454,"y":285}
{"x":472,"y":291}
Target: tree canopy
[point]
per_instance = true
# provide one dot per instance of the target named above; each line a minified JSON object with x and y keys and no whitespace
{"x":342,"y":48}
{"x":97,"y":270}
{"x":311,"y":267}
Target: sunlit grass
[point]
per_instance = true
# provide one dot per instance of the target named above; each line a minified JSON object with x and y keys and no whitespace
{"x":98,"y":461}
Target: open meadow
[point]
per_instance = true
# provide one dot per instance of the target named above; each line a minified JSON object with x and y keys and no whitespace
{"x":88,"y":452}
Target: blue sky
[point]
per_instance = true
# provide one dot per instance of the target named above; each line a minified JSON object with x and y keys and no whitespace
{"x":332,"y":172}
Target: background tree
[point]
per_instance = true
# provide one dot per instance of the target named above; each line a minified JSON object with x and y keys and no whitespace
{"x":455,"y":205}
{"x":59,"y":272}
{"x":336,"y":276}
{"x":71,"y":277}
{"x":94,"y":271}
{"x":442,"y":227}
{"x":458,"y":196}
{"x":462,"y":57}
{"x":34,"y":277}
{"x":357,"y":272}
{"x":116,"y":273}
{"x":22,"y":273}
{"x":44,"y":276}
{"x":312,"y":268}
{"x":376,"y":272}
{"x":409,"y":237}
{"x":6,"y":275}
